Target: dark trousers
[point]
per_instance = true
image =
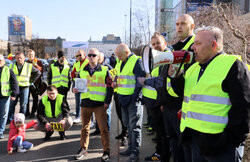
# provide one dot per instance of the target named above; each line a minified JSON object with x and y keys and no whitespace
{"x":119,"y":113}
{"x":172,"y":127}
{"x":34,"y":94}
{"x":162,"y":146}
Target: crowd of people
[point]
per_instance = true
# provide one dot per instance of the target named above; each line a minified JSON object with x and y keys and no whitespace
{"x":199,"y":111}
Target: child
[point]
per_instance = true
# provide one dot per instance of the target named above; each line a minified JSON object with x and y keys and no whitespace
{"x":17,"y":134}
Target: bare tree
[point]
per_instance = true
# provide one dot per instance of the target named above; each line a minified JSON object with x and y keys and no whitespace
{"x":227,"y":17}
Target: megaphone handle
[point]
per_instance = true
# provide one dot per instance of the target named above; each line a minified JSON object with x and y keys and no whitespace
{"x":182,"y":61}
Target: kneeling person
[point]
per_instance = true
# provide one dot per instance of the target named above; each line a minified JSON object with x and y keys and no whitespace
{"x":53,"y":108}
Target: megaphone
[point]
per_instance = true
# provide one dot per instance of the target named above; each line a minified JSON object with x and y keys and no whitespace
{"x":152,"y":58}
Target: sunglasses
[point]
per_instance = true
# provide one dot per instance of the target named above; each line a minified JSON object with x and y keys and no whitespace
{"x":93,"y":55}
{"x":78,"y":55}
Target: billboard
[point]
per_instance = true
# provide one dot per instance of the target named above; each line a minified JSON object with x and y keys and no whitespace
{"x":192,"y":5}
{"x":16,"y":26}
{"x":75,"y":44}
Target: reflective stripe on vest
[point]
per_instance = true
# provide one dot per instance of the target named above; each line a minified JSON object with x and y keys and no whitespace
{"x":24,"y":77}
{"x":47,"y":105}
{"x":126,"y":78}
{"x":205,"y":106}
{"x":60,"y":79}
{"x":148,"y":91}
{"x":79,"y":67}
{"x":5,"y":81}
{"x":96,"y":85}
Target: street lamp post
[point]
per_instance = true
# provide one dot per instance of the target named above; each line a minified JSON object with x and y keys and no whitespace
{"x":130,"y":37}
{"x":125,"y":41}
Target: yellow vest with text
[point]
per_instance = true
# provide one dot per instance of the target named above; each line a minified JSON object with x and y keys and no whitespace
{"x":126,"y":78}
{"x":60,"y":79}
{"x":78,"y":65}
{"x":47,"y":105}
{"x":96,"y":86}
{"x":205,"y":106}
{"x":168,"y":84}
{"x":5,"y":81}
{"x":24,"y":77}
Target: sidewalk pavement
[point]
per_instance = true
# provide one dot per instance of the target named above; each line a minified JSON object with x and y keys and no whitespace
{"x":64,"y":150}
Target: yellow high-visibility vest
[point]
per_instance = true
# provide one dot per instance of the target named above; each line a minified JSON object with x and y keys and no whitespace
{"x":96,"y":86}
{"x":5,"y":81}
{"x":47,"y":105}
{"x":24,"y":77}
{"x":205,"y":106}
{"x":60,"y":79}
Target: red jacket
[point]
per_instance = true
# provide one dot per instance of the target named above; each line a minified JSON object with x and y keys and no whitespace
{"x":14,"y":132}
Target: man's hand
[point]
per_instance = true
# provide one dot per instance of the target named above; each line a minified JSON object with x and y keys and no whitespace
{"x":106,"y":106}
{"x":10,"y":152}
{"x":114,"y":85}
{"x":173,"y":68}
{"x":12,"y":98}
{"x":63,"y":122}
{"x":162,"y":108}
{"x":141,"y":80}
{"x":75,"y":90}
{"x":48,"y":127}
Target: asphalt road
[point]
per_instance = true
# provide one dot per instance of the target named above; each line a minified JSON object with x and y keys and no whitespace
{"x":58,"y":150}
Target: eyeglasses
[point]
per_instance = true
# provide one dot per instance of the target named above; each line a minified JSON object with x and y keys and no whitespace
{"x":78,"y":55}
{"x":93,"y":55}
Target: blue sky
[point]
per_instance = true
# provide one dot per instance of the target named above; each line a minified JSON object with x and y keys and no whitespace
{"x":75,"y":20}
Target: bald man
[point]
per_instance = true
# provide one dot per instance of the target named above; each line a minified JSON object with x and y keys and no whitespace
{"x":8,"y":90}
{"x":128,"y":70}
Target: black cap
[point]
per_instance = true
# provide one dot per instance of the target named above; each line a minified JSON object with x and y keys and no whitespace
{"x":60,"y":54}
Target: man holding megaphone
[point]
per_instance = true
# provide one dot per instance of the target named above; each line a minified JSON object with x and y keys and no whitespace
{"x":166,"y":97}
{"x":216,"y":90}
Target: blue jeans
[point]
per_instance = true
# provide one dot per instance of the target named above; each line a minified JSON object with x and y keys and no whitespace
{"x":132,"y":119}
{"x":78,"y":104}
{"x":18,"y":142}
{"x":24,"y":94}
{"x":4,"y":109}
{"x":108,"y":120}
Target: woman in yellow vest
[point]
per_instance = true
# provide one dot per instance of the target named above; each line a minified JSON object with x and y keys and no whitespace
{"x":53,"y":114}
{"x":216,"y":100}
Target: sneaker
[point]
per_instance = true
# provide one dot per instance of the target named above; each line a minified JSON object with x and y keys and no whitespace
{"x":133,"y":158}
{"x":95,"y":133}
{"x":77,"y":121}
{"x":105,"y":156}
{"x":154,"y":157}
{"x":145,"y":125}
{"x":81,"y":153}
{"x":1,"y":136}
{"x":126,"y":153}
{"x":48,"y":135}
{"x":120,"y":136}
{"x":22,"y":150}
{"x":150,"y":131}
{"x":124,"y":141}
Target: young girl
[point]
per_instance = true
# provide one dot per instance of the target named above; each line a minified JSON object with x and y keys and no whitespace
{"x":17,"y":134}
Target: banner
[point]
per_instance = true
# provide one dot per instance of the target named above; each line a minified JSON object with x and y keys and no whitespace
{"x":16,"y":26}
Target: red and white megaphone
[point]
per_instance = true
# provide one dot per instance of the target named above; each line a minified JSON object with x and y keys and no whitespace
{"x":152,"y":58}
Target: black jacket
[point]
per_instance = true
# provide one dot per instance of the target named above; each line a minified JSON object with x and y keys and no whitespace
{"x":237,"y":85}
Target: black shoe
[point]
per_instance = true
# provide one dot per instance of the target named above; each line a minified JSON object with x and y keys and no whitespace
{"x":80,"y":154}
{"x":120,"y":136}
{"x":27,"y":114}
{"x":124,"y":141}
{"x":154,"y":157}
{"x":126,"y":153}
{"x":105,"y":156}
{"x":95,"y":133}
{"x":32,"y":116}
{"x":48,"y":135}
{"x":62,"y":135}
